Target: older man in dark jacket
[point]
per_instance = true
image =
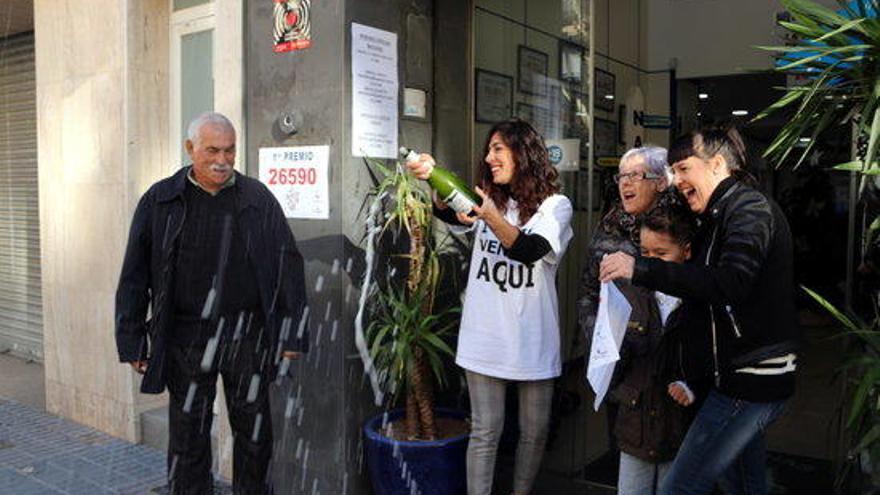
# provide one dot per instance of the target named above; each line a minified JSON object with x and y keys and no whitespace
{"x":213,"y":262}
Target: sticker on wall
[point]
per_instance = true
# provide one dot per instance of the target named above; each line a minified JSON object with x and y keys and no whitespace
{"x":298,"y":178}
{"x":633,"y":133}
{"x":293,"y":25}
{"x":565,"y":154}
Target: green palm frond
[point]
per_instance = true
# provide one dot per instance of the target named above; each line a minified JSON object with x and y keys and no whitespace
{"x":839,"y":54}
{"x":407,"y":336}
{"x":863,"y":418}
{"x":411,"y":204}
{"x":398,"y":326}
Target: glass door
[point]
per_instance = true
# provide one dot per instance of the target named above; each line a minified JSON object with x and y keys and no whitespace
{"x":192,"y":71}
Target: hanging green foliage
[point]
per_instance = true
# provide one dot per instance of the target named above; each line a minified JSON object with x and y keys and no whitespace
{"x":837,"y":54}
{"x":406,"y":335}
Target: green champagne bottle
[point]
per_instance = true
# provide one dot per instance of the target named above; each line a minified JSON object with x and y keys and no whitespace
{"x":450,"y":188}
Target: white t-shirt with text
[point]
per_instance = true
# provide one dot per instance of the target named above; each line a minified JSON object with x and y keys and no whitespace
{"x":510,"y":320}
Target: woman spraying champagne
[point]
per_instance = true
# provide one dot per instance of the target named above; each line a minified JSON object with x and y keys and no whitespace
{"x":510,"y":325}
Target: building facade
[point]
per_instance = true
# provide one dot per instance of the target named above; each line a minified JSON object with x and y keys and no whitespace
{"x":93,"y":110}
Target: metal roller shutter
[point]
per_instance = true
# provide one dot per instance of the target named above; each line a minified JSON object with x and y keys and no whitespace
{"x":21,"y":314}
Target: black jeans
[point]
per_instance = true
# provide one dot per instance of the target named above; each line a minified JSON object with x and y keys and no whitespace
{"x":246,"y":366}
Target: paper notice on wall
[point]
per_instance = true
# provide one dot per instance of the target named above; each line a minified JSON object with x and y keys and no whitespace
{"x":611,"y":320}
{"x":374,"y":104}
{"x":298,"y":177}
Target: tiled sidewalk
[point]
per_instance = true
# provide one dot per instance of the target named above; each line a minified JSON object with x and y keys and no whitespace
{"x":46,"y":455}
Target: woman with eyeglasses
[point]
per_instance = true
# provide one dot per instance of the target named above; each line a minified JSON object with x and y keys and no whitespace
{"x":643,"y":185}
{"x":741,"y":276}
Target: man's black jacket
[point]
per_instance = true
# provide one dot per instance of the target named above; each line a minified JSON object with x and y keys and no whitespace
{"x":147,"y":274}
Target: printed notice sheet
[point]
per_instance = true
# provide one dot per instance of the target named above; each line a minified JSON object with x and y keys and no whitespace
{"x":298,"y":178}
{"x":611,"y":320}
{"x":374,"y":101}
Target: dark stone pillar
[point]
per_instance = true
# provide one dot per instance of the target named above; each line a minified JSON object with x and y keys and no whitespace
{"x":318,"y":412}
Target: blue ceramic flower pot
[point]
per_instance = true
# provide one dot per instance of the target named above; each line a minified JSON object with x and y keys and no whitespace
{"x":435,"y":467}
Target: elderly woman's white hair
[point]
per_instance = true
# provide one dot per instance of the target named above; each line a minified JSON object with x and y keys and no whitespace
{"x":654,"y":158}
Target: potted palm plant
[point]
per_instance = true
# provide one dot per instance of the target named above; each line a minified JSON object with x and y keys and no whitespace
{"x":420,"y":448}
{"x":837,"y":55}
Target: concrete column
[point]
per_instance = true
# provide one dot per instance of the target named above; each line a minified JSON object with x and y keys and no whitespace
{"x":228,"y":92}
{"x":314,"y":450}
{"x":454,"y":88}
{"x":102,"y":113}
{"x":318,"y":413}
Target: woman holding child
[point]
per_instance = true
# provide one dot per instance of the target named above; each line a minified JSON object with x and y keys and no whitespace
{"x":648,"y":398}
{"x":740,"y":277}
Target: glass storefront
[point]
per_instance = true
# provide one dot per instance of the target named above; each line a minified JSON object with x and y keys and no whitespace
{"x":534,"y":60}
{"x":574,"y":72}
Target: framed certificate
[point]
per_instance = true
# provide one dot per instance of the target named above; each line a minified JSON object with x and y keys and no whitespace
{"x":605,"y":138}
{"x":604,"y":86}
{"x":531,"y":71}
{"x":494,"y":97}
{"x":537,"y":116}
{"x":571,"y":58}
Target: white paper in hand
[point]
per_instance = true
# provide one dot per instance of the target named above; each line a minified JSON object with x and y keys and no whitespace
{"x":611,"y":320}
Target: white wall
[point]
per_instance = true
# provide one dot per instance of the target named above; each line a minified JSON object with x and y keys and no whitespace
{"x":101,"y":89}
{"x":711,"y":37}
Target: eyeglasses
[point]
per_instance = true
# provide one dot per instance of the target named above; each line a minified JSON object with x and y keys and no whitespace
{"x":635,"y":177}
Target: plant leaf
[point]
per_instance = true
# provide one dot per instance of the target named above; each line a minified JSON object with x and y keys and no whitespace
{"x":824,"y":53}
{"x":853,"y":166}
{"x":819,"y":14}
{"x":867,"y":440}
{"x":865,"y":385}
{"x":820,"y":127}
{"x":438,"y":343}
{"x":787,"y":99}
{"x":846,"y":27}
{"x":809,"y":32}
{"x":836,"y":313}
{"x":872,"y":140}
{"x":792,"y":49}
{"x":872,"y":231}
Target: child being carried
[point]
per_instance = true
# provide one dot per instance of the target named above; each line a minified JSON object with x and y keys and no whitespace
{"x":655,"y":381}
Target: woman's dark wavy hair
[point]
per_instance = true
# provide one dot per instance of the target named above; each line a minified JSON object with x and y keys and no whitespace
{"x":708,"y":141}
{"x":534,"y":178}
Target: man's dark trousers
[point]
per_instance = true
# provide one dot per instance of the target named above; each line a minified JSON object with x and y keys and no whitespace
{"x":244,"y":363}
